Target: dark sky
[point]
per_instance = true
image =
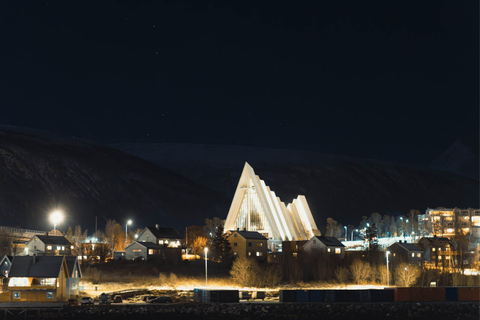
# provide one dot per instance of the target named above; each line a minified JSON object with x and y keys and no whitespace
{"x":392,"y":80}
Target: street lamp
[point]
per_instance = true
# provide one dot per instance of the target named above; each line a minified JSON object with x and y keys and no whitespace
{"x":345,"y":227}
{"x":388,"y":279}
{"x":356,"y":230}
{"x":126,"y":229}
{"x":56,"y":217}
{"x":206,"y":278}
{"x":406,"y":226}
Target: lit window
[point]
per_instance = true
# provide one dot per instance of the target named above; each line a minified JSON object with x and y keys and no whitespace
{"x":328,"y":249}
{"x":249,"y":254}
{"x":49,"y":295}
{"x":18,"y":282}
{"x":259,"y":244}
{"x":63,"y":248}
{"x":166,"y":241}
{"x":58,"y":247}
{"x":295,"y":254}
{"x":160,"y":241}
{"x":433,"y":249}
{"x":234,"y":253}
{"x":49,"y":247}
{"x":394,"y":254}
{"x":259,"y":254}
{"x":413,"y":255}
{"x":137,"y":250}
{"x":71,"y":247}
{"x":16,"y":295}
{"x":338,"y":250}
{"x":439,"y":257}
{"x":150,"y":251}
{"x":419,"y":255}
{"x":47,"y":281}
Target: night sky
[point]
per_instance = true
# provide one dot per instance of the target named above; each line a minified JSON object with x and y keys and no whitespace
{"x":390,"y":80}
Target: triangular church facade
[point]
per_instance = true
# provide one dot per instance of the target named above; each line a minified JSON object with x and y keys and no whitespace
{"x":256,"y":208}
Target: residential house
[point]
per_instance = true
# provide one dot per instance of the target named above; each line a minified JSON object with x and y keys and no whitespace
{"x":293,"y":248}
{"x":437,"y":251}
{"x":144,"y":251}
{"x":167,"y":237}
{"x":5,"y":264}
{"x":156,"y":242}
{"x":74,"y":275}
{"x":48,"y":246}
{"x":250,"y":244}
{"x":38,"y":278}
{"x":329,"y":245}
{"x":405,"y":252}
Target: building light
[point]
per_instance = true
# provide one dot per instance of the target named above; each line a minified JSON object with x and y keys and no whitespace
{"x":338,"y":250}
{"x":49,"y":247}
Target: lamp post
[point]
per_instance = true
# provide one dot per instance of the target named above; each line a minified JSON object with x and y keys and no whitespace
{"x":206,"y":277}
{"x":126,"y":229}
{"x":56,"y":217}
{"x":388,"y":279}
{"x":356,"y":230}
{"x":345,"y":227}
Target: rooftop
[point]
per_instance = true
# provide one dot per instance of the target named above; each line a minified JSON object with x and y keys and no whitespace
{"x":36,"y":266}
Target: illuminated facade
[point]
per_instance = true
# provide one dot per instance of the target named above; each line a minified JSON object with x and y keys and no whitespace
{"x":445,"y":222}
{"x":256,"y":208}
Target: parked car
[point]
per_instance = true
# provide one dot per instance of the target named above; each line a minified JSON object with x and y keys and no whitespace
{"x":117,"y":299}
{"x":164,"y":299}
{"x":72,"y":302}
{"x":103,"y":299}
{"x":86,"y":301}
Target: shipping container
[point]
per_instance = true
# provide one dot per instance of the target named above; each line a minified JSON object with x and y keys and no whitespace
{"x":315,"y":296}
{"x":451,"y":294}
{"x":302,"y":296}
{"x":468,"y":293}
{"x":287,"y":296}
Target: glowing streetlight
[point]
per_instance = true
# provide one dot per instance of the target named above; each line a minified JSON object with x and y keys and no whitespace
{"x":356,"y":230}
{"x":126,"y":229}
{"x":345,"y":227}
{"x":206,"y":278}
{"x":388,"y":278}
{"x":56,"y":217}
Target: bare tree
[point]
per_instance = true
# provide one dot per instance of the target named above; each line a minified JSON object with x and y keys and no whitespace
{"x":198,"y":244}
{"x":78,"y":239}
{"x":246,"y":272}
{"x":361,"y":271}
{"x":406,"y":274}
{"x":333,"y":228}
{"x":211,"y":226}
{"x":342,"y":274}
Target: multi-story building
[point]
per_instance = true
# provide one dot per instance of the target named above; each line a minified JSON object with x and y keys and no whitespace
{"x":248,"y":244}
{"x":438,"y":251}
{"x":445,"y":222}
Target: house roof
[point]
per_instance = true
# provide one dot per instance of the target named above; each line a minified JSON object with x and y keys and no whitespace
{"x":168,"y":233}
{"x":9,"y":258}
{"x":330,"y":241}
{"x":43,"y":267}
{"x":408,"y":246}
{"x":251,"y":235}
{"x":71,"y":261}
{"x":435,"y":240}
{"x":148,"y":245}
{"x":61,"y":240}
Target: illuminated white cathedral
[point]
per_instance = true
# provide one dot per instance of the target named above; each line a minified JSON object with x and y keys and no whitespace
{"x":256,"y":208}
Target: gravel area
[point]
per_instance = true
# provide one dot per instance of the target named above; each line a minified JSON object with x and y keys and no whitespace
{"x":301,"y":311}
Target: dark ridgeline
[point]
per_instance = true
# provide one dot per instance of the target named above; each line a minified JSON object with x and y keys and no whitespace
{"x":40,"y":172}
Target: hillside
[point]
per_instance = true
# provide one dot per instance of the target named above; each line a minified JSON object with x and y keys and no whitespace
{"x":40,"y":171}
{"x":461,"y":158}
{"x":335,"y":186}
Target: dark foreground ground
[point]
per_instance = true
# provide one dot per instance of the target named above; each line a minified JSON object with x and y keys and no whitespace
{"x":301,"y":311}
